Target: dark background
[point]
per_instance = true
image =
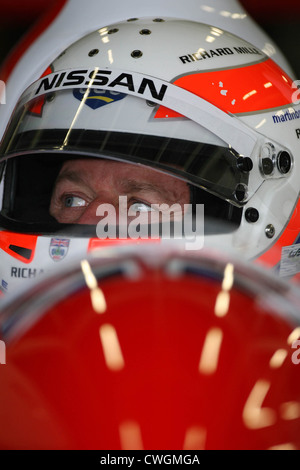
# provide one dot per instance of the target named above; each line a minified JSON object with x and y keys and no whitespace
{"x":279,"y":18}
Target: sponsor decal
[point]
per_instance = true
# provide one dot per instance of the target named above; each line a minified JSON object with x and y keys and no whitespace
{"x":290,"y":260}
{"x":3,"y":286}
{"x":25,"y":273}
{"x":284,"y":116}
{"x":159,"y":91}
{"x":96,"y":98}
{"x":136,"y":84}
{"x":203,"y":54}
{"x":59,"y":248}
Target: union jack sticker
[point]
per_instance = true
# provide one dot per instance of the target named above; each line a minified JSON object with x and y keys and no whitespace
{"x":59,"y":248}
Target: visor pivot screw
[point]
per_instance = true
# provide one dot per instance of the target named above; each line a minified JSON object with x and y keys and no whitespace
{"x":244,"y":164}
{"x":240,"y":192}
{"x":252,"y":215}
{"x":267,"y":166}
{"x":267,"y":158}
{"x":136,"y":54}
{"x":270,"y":231}
{"x":284,"y":162}
{"x":50,"y":97}
{"x":93,"y":52}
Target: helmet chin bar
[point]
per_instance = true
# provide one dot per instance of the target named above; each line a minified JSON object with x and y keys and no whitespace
{"x":271,"y":160}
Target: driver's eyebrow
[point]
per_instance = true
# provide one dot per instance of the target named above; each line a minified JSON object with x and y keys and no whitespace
{"x":69,"y":175}
{"x":127,"y":186}
{"x":133,"y":186}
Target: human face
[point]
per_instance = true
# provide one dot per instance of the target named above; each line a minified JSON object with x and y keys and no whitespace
{"x":82,"y":185}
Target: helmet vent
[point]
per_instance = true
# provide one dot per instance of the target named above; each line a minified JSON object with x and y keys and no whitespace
{"x":93,"y":52}
{"x":145,"y":32}
{"x":136,"y":54}
{"x":21,"y":251}
{"x":112,"y":31}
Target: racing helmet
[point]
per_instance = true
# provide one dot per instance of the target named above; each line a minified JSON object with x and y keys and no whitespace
{"x":147,"y":348}
{"x":177,"y":98}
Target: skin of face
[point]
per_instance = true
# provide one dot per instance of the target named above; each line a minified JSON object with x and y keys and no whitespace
{"x":84,"y":184}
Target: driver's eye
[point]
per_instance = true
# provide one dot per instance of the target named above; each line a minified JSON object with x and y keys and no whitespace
{"x":140,"y":207}
{"x":74,"y":201}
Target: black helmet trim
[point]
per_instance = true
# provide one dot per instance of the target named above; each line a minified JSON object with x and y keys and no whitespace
{"x":210,"y":167}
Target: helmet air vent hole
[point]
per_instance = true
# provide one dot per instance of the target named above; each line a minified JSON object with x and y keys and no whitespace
{"x":158,"y":20}
{"x":136,"y":54}
{"x":112,"y":31}
{"x":21,"y":251}
{"x":145,"y":32}
{"x":132,"y":19}
{"x":93,"y":52}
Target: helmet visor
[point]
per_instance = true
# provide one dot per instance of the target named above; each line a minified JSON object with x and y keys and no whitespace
{"x":79,"y":124}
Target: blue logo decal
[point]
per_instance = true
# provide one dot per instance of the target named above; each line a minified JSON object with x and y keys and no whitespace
{"x":59,"y":248}
{"x":97,"y":97}
{"x":3,"y":286}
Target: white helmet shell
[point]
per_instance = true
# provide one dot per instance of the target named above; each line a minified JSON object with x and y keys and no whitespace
{"x":178,"y":79}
